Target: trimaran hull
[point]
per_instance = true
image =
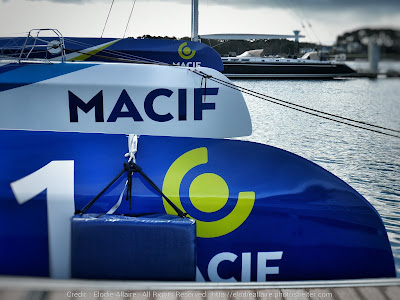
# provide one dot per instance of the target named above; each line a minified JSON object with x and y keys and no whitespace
{"x":262,"y":213}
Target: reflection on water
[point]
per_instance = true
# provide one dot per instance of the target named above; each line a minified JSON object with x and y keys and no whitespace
{"x":369,"y":162}
{"x":383,"y":67}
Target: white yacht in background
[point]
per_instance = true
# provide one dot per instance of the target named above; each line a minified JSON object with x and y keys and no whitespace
{"x":252,"y":64}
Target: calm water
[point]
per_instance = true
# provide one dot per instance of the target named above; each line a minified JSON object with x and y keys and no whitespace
{"x":369,"y":162}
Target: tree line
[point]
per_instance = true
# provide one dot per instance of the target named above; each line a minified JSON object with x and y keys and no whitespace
{"x":353,"y":43}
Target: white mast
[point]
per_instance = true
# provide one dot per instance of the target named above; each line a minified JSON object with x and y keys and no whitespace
{"x":195,"y":21}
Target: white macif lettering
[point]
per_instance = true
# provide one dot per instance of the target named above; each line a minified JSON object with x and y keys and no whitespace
{"x":262,"y":268}
{"x":193,"y":64}
{"x":246,"y":267}
{"x":213,"y":266}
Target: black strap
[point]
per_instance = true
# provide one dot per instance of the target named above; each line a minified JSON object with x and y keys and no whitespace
{"x":131,"y":168}
{"x":89,"y":205}
{"x":138,"y":169}
{"x":129,"y":185}
{"x":204,"y":76}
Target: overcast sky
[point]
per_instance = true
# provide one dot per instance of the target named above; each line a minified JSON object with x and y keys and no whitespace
{"x":318,"y":20}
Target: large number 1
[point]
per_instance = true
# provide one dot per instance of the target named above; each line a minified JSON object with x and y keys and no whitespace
{"x":57,"y":177}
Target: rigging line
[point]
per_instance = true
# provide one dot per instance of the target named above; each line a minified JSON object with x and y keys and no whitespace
{"x":127,"y":58}
{"x":130,"y":15}
{"x":317,"y":115}
{"x":107,"y":18}
{"x":139,"y":60}
{"x":310,"y":113}
{"x":319,"y":111}
{"x":306,"y":20}
{"x":122,"y":55}
{"x":263,"y":97}
{"x":117,"y":59}
{"x":115,"y":52}
{"x":296,"y":15}
{"x":120,"y":59}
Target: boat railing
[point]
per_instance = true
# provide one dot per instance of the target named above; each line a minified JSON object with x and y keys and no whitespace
{"x":35,"y":41}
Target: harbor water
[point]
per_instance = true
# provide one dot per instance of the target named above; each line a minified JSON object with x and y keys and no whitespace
{"x":367,"y":161}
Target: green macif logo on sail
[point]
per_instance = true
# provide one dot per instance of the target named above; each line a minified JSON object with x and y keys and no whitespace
{"x":186,"y":53}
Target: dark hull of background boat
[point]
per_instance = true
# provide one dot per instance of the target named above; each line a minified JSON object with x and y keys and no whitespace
{"x":285,"y":70}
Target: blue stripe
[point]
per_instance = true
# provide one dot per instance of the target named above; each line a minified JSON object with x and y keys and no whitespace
{"x":17,"y":75}
{"x":9,"y":67}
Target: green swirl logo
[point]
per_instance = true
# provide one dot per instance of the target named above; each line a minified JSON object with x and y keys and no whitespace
{"x":185,"y":52}
{"x":208,"y":192}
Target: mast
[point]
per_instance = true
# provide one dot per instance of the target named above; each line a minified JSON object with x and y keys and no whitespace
{"x":195,"y":21}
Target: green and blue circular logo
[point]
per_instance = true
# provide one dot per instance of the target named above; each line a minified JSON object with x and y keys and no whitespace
{"x":185,"y":52}
{"x":208,"y":193}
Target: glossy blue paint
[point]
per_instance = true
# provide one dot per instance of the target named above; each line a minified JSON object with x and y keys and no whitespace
{"x":128,"y":50}
{"x":16,"y":75}
{"x":323,"y":227}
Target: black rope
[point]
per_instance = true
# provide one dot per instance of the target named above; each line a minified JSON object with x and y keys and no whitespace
{"x":204,"y":76}
{"x":89,"y":205}
{"x":129,"y":174}
{"x":319,"y":111}
{"x":138,"y":169}
{"x":287,"y":104}
{"x":297,"y":107}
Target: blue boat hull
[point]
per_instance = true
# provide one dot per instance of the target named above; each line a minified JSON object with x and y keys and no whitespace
{"x":262,"y":213}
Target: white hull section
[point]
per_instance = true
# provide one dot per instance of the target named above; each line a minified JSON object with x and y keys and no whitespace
{"x":121,"y":98}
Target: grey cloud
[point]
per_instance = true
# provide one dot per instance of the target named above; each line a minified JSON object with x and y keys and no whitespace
{"x":307,"y":6}
{"x":313,"y":6}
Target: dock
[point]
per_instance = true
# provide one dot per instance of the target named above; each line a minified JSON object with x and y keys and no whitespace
{"x":29,"y":288}
{"x":366,"y":74}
